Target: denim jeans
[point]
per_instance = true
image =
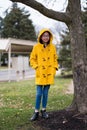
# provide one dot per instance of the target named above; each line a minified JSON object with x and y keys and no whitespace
{"x":42,"y":95}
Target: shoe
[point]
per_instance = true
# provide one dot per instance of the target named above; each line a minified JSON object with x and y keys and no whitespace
{"x":44,"y":114}
{"x":35,"y":116}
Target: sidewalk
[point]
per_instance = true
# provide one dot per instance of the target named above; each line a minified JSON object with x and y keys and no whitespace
{"x":70,"y":89}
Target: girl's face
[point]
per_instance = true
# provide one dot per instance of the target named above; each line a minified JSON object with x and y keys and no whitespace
{"x":45,"y":37}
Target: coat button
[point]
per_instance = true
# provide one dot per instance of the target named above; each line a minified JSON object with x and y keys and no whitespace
{"x":44,"y":59}
{"x":43,"y":67}
{"x":44,"y":75}
{"x":48,"y":58}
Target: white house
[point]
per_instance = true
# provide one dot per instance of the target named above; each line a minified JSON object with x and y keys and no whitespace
{"x":16,"y":46}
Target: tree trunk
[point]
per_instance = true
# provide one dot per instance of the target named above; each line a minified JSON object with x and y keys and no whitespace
{"x":78,"y":50}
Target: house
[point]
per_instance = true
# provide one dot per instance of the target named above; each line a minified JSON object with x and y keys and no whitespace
{"x":18,"y":47}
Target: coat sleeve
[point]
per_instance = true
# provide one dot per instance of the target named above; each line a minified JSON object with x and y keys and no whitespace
{"x":33,"y":58}
{"x":55,"y":59}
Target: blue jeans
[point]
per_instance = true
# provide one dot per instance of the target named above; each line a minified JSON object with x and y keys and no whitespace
{"x":42,"y":94}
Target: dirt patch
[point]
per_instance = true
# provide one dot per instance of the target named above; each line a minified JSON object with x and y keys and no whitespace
{"x":62,"y":120}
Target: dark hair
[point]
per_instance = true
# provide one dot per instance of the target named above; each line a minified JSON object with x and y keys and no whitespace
{"x":41,"y":36}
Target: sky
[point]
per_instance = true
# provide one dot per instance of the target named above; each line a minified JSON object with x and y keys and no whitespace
{"x":38,"y":19}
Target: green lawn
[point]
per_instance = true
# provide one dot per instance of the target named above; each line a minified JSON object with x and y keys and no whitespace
{"x":17,"y":101}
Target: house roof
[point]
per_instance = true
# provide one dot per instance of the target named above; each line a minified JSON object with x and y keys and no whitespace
{"x":3,"y":44}
{"x":17,"y":45}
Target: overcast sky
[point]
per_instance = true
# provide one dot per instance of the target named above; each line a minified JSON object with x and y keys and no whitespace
{"x":38,"y":19}
{"x":35,"y":15}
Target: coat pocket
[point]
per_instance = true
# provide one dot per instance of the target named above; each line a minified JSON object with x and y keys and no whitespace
{"x":54,"y":71}
{"x":51,"y":70}
{"x":37,"y":72}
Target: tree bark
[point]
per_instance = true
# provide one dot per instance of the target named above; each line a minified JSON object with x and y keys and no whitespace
{"x":72,"y":17}
{"x":78,"y":49}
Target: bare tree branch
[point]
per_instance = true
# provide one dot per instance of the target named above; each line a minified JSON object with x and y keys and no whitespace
{"x":63,"y":17}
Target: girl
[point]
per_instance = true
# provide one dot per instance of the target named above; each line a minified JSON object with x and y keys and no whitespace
{"x":44,"y":60}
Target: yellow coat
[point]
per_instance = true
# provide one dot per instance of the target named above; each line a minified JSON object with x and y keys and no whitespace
{"x":44,"y":61}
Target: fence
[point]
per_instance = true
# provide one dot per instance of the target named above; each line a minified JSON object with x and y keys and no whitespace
{"x":13,"y":75}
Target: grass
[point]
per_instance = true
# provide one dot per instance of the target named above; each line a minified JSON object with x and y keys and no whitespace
{"x":17,"y":101}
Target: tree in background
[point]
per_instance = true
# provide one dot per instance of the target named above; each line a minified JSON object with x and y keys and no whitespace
{"x":65,"y":59}
{"x":16,"y":24}
{"x":65,"y":47}
{"x":0,"y":25}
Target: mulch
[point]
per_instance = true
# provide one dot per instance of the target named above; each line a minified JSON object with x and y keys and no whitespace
{"x":62,"y":120}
